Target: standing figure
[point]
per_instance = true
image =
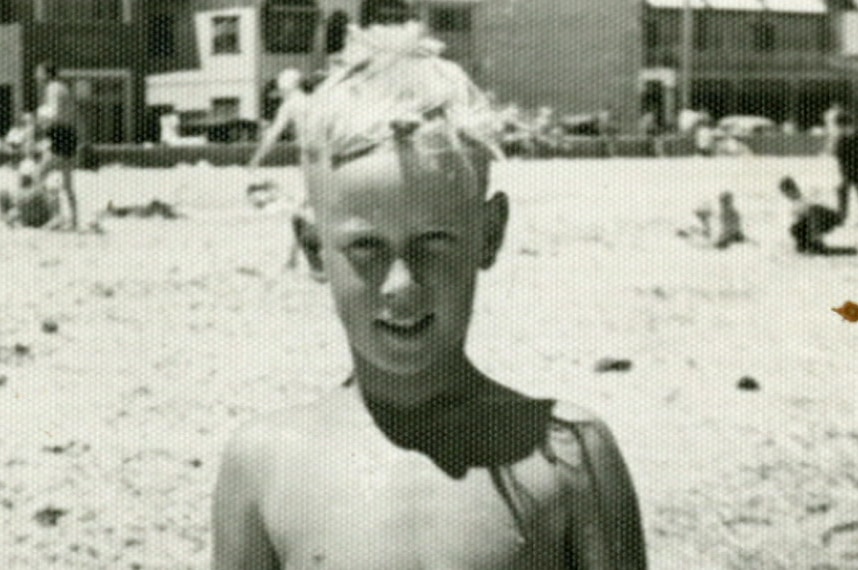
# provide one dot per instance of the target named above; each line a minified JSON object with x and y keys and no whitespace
{"x":57,"y":118}
{"x":846,"y":153}
{"x":291,"y":90}
{"x":419,"y":459}
{"x":831,"y":124}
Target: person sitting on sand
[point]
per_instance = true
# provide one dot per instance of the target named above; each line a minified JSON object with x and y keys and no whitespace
{"x":731,"y":223}
{"x":729,"y":220}
{"x":419,"y":460}
{"x":813,"y":221}
{"x":35,"y":201}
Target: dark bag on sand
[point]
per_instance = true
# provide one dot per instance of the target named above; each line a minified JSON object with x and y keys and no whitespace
{"x":35,"y":209}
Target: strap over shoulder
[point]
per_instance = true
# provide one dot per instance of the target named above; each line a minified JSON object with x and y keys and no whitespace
{"x":605,"y":531}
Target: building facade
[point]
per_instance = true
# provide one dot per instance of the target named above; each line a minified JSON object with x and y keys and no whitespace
{"x":129,"y":61}
{"x":773,"y":58}
{"x":95,"y":45}
{"x":237,"y":48}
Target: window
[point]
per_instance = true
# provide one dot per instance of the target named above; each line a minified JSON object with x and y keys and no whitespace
{"x":705,"y":34}
{"x":825,"y":38}
{"x":289,"y":26}
{"x":225,"y":35}
{"x":160,"y":36}
{"x":225,"y":108}
{"x":651,"y":33}
{"x":450,"y":19}
{"x":335,"y":35}
{"x":763,"y":38}
{"x":82,"y":11}
{"x":384,"y":12}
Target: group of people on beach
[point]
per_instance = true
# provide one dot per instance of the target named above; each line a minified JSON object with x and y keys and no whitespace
{"x":811,"y":221}
{"x":44,"y":144}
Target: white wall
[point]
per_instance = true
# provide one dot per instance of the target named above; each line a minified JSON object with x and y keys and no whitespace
{"x":219,"y":75}
{"x":849,"y":33}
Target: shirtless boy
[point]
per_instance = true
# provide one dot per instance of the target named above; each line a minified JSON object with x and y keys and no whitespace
{"x":419,"y":461}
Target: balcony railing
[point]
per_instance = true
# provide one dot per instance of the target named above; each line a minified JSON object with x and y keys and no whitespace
{"x":739,"y":60}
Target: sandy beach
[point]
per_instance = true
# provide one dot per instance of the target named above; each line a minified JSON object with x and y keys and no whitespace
{"x":127,"y":357}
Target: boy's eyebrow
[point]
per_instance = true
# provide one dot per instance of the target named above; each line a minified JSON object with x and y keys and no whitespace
{"x":338,"y":160}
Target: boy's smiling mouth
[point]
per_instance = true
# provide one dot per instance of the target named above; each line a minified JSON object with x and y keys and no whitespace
{"x":406,"y":328}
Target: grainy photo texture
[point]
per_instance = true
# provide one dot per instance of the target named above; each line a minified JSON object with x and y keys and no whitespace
{"x":428,"y":284}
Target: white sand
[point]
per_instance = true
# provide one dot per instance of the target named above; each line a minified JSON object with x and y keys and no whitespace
{"x":173,"y":332}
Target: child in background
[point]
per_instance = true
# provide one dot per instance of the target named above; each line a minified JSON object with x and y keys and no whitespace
{"x":419,"y":460}
{"x":35,"y":201}
{"x":813,"y":221}
{"x":263,"y":194}
{"x":731,"y":223}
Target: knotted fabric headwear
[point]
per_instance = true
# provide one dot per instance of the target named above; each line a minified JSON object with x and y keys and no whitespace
{"x":393,"y":75}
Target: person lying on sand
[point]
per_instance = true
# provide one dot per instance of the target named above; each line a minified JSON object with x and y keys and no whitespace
{"x":419,"y":460}
{"x":813,"y":221}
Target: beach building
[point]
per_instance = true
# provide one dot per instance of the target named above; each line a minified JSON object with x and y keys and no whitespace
{"x":772,"y":58}
{"x":94,"y":43}
{"x":132,"y":61}
{"x":532,"y":52}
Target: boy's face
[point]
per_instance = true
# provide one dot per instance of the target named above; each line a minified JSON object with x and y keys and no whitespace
{"x":401,"y":246}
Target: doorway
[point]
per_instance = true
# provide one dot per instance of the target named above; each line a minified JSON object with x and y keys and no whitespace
{"x":105,"y":104}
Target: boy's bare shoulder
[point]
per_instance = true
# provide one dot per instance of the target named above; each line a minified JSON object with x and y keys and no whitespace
{"x":290,"y":429}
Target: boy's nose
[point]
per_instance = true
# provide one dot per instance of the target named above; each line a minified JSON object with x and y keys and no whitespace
{"x":399,"y":280}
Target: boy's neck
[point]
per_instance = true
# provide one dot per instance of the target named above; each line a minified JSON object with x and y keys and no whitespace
{"x":455,"y":377}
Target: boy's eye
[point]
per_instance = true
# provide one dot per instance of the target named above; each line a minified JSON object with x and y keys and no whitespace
{"x":365,"y":248}
{"x":440,"y":241}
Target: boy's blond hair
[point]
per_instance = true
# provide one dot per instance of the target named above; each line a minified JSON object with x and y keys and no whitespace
{"x":389,"y":81}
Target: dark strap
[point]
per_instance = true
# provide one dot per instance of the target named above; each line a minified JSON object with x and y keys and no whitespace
{"x":605,"y":531}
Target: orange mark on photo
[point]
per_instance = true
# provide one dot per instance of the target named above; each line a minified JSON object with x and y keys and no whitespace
{"x":849,"y":311}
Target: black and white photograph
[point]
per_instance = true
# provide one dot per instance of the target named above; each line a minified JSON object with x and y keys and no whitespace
{"x":428,"y":284}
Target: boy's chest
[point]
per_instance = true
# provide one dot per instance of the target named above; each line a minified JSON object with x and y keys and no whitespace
{"x":405,"y":513}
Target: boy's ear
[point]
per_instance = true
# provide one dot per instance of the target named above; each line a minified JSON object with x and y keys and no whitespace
{"x":494,"y":228}
{"x":307,"y":237}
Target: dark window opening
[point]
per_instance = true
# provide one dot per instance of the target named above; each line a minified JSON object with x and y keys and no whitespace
{"x":825,"y":38}
{"x":82,"y":10}
{"x":160,"y":36}
{"x":335,"y":35}
{"x":705,"y":35}
{"x":225,"y":35}
{"x":384,"y":12}
{"x":763,"y":36}
{"x":289,"y":26}
{"x":450,"y":19}
{"x":7,"y":13}
{"x":225,"y":108}
{"x":652,"y":37}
